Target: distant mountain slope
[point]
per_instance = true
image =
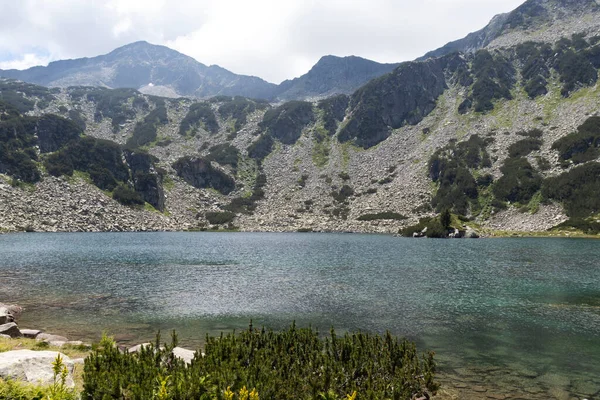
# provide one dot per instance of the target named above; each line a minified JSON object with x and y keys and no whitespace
{"x":158,"y":70}
{"x":140,"y":64}
{"x":333,"y":75}
{"x":539,"y":20}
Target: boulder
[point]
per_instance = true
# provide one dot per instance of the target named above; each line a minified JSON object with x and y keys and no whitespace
{"x":138,"y":347}
{"x":30,"y":333}
{"x":184,"y":354}
{"x":33,"y":366}
{"x":3,"y":336}
{"x":46,"y":337}
{"x":5,"y":315}
{"x":11,"y":330}
{"x":471,"y":233}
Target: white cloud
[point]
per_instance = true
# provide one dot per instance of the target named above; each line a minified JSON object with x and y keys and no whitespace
{"x":27,"y":60}
{"x":272,"y":39}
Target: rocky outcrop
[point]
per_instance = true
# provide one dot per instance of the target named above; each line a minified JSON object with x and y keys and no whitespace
{"x":33,"y":366}
{"x":405,"y":96}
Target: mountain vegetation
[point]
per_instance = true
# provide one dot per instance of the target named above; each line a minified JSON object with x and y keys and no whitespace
{"x":496,"y":135}
{"x":297,"y":362}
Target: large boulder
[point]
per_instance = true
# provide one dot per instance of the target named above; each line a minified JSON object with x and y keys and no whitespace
{"x":11,"y":330}
{"x":33,"y":366}
{"x":53,"y":340}
{"x":6,"y":316}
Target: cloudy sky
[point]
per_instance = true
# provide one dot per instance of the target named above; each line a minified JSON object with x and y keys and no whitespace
{"x":272,"y":39}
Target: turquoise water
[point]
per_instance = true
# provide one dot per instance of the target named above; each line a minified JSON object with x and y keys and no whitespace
{"x":519,"y":317}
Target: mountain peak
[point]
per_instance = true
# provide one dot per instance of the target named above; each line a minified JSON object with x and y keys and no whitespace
{"x":534,"y":20}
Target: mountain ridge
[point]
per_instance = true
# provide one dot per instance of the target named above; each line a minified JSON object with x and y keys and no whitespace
{"x":157,"y":69}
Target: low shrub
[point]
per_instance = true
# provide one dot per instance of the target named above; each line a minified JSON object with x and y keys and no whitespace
{"x":382,"y":215}
{"x":127,"y":196}
{"x":219,"y":218}
{"x":295,"y":363}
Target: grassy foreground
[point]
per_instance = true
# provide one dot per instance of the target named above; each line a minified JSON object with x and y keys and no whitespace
{"x":297,"y":363}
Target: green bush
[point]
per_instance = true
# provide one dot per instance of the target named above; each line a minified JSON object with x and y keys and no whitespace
{"x":199,"y":114}
{"x":583,"y":145}
{"x":519,"y":181}
{"x":219,"y":218}
{"x":577,"y":190}
{"x":575,"y":70}
{"x":495,"y":78}
{"x":261,"y":148}
{"x":224,"y":154}
{"x":247,"y":205}
{"x":523,"y":147}
{"x":287,"y":121}
{"x":382,"y":215}
{"x":110,"y":103}
{"x":333,"y":110}
{"x":292,"y":364}
{"x":343,"y":194}
{"x":238,"y":109}
{"x":589,"y":227}
{"x":145,"y":130}
{"x":127,"y":196}
{"x":450,"y":167}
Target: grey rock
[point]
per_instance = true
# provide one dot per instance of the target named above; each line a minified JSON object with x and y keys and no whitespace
{"x":11,"y":330}
{"x":138,"y":347}
{"x":33,"y":366}
{"x":30,"y":333}
{"x":46,"y":337}
{"x":3,"y":336}
{"x":471,"y":233}
{"x":184,"y":354}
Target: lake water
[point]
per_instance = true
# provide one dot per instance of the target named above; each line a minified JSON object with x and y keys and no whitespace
{"x":514,"y":317}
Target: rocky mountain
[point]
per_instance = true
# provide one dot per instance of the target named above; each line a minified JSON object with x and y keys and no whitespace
{"x":158,"y":70}
{"x":332,"y":75}
{"x":537,"y":20}
{"x":505,"y":138}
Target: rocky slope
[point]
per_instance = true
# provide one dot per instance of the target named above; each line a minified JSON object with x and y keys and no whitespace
{"x":507,"y":137}
{"x":536,"y":20}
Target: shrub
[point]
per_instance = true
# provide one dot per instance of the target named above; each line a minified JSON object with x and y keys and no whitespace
{"x":224,"y":154}
{"x":523,"y":147}
{"x":295,"y":363}
{"x":287,"y":121}
{"x":219,"y":218}
{"x":333,"y":110}
{"x":261,"y":148}
{"x":127,"y":196}
{"x":199,"y":114}
{"x":583,"y":145}
{"x":145,"y":130}
{"x":575,"y":70}
{"x":343,"y":194}
{"x":519,"y":181}
{"x":382,"y":215}
{"x":238,"y":109}
{"x":577,"y":190}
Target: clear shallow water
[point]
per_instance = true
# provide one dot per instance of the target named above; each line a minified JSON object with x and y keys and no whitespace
{"x":516,"y":316}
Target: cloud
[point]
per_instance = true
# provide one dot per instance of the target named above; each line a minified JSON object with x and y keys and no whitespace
{"x":272,"y":39}
{"x":27,"y":60}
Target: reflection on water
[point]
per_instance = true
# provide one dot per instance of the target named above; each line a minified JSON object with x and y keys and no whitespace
{"x":505,"y":316}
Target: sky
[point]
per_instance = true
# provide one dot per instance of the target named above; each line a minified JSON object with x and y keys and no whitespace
{"x":272,"y":39}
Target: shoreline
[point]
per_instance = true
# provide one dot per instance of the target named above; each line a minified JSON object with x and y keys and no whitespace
{"x":485,"y":234}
